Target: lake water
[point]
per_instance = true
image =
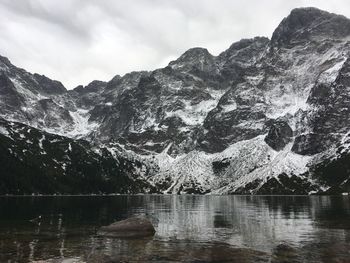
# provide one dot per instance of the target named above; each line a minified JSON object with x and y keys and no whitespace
{"x":189,"y":229}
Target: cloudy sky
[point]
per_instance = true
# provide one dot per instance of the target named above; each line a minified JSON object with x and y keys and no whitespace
{"x":77,"y":41}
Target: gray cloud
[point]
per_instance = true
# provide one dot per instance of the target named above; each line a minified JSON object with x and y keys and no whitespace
{"x":76,"y":41}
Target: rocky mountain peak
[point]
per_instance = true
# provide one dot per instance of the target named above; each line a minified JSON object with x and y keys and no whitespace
{"x":93,"y":86}
{"x":197,"y":57}
{"x":194,"y":53}
{"x":310,"y":23}
{"x":222,"y":124}
{"x":5,"y":60}
{"x":49,"y":86}
{"x":113,"y":82}
{"x":245,"y":43}
{"x":243,"y":51}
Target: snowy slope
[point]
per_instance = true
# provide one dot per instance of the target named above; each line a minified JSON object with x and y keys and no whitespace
{"x":264,"y":116}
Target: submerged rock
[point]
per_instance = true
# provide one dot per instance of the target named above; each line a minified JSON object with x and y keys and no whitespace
{"x":131,"y":227}
{"x":284,"y":253}
{"x":141,"y":250}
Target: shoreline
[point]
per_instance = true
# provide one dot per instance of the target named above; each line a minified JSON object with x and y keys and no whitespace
{"x":112,"y":195}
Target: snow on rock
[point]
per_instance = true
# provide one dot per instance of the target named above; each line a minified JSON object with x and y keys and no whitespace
{"x":205,"y":104}
{"x":229,"y":107}
{"x":25,"y":92}
{"x":42,"y":151}
{"x":41,"y":142}
{"x":256,"y":160}
{"x":285,"y":104}
{"x":195,"y":114}
{"x":329,"y":75}
{"x":4,"y":131}
{"x":247,"y":160}
{"x":82,"y":126}
{"x":288,"y":92}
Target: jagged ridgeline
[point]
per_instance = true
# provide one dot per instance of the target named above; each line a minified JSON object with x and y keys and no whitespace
{"x":266,"y":116}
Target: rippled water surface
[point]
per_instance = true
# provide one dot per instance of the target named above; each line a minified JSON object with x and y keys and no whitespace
{"x":189,"y":229}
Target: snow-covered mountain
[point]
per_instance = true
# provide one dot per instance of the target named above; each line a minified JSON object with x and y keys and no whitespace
{"x":34,"y":161}
{"x":264,"y":116}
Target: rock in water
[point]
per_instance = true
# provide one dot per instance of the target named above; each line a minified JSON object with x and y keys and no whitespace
{"x":131,"y":227}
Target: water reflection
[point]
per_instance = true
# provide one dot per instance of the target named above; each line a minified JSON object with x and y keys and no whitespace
{"x":206,"y":228}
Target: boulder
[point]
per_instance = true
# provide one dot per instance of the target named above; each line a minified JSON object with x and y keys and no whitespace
{"x":280,"y":134}
{"x":131,"y":227}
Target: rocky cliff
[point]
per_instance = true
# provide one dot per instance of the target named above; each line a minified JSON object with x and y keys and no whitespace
{"x":265,"y":116}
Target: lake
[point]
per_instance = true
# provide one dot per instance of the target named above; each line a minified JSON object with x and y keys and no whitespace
{"x":190,"y":228}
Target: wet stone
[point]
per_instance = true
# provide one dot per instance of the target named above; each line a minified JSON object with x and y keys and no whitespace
{"x":131,"y":227}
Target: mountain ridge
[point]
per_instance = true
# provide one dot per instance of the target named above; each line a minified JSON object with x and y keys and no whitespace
{"x":261,"y":117}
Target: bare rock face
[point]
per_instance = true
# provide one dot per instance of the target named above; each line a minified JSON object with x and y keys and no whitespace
{"x":280,"y":134}
{"x":205,"y":123}
{"x":131,"y":227}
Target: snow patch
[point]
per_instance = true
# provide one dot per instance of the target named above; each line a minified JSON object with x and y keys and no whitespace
{"x":82,"y":126}
{"x":41,"y":142}
{"x":4,"y":131}
{"x":248,"y":160}
{"x":149,"y":143}
{"x":228,"y":107}
{"x":330,"y":75}
{"x":25,"y":92}
{"x":194,"y":114}
{"x":286,"y":104}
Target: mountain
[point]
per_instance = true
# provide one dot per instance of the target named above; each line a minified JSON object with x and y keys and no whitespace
{"x":34,"y":161}
{"x":266,"y":116}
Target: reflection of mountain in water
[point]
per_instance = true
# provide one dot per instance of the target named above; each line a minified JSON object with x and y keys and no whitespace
{"x":312,"y":227}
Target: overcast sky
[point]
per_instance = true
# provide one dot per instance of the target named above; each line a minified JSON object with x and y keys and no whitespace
{"x":77,"y":41}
